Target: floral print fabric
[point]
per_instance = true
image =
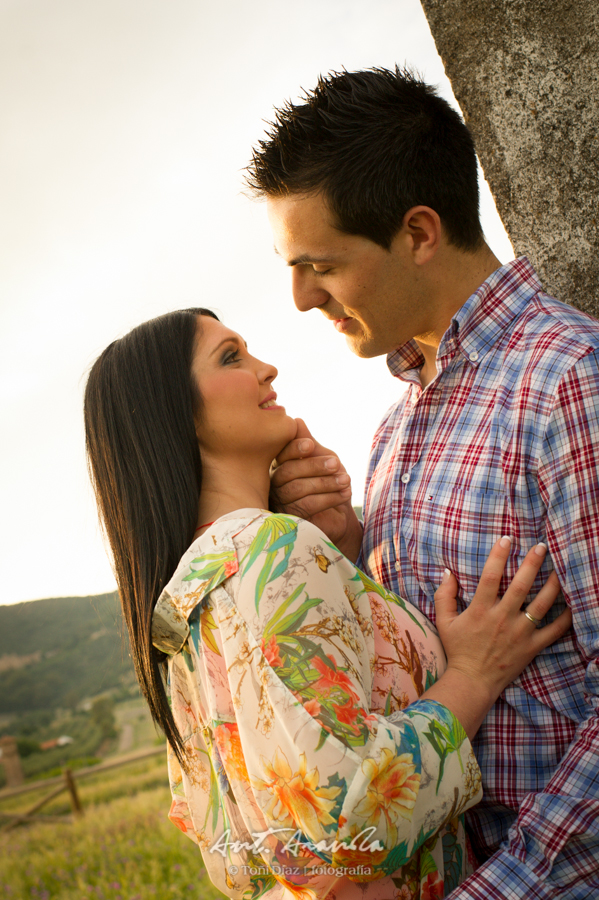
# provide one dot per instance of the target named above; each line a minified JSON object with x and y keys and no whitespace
{"x":312,"y":768}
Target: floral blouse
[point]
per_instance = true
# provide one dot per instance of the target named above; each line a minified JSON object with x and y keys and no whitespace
{"x":312,"y":768}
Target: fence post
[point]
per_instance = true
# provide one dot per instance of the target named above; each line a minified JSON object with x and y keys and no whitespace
{"x":73,"y":795}
{"x":9,"y":754}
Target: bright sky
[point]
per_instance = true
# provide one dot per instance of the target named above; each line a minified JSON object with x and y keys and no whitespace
{"x":125,"y":128}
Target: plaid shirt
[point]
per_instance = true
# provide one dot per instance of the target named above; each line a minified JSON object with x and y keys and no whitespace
{"x":505,"y":440}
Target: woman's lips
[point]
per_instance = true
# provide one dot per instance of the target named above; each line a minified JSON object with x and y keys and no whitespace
{"x":271,"y":401}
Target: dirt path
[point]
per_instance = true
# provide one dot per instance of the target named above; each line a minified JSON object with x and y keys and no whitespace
{"x":126,"y":737}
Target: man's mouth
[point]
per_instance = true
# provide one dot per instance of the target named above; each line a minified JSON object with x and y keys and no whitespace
{"x":342,"y":324}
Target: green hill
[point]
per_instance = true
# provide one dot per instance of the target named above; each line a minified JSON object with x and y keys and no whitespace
{"x":56,"y":652}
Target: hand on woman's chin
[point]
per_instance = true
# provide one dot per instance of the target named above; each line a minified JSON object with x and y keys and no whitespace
{"x":293,"y":429}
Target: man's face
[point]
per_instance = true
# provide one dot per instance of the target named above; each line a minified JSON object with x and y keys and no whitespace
{"x":370,"y":294}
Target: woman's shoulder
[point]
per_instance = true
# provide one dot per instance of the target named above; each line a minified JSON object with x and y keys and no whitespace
{"x":220,"y":540}
{"x":273,"y":532}
{"x":210,"y":559}
{"x":283,"y":523}
{"x":246,"y":540}
{"x":245,"y":527}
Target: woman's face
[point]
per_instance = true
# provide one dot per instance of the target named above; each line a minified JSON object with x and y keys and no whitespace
{"x":240,"y":414}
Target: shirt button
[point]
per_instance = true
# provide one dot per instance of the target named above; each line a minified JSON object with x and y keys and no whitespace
{"x":397,"y":567}
{"x":473,"y":356}
{"x":405,"y":477}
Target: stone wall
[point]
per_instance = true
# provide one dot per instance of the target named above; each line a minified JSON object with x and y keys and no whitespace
{"x":526,"y":75}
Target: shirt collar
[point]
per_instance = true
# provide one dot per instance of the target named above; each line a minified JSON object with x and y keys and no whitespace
{"x":210,"y":560}
{"x":478,"y":324}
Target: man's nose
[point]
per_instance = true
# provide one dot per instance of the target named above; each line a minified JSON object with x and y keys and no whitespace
{"x":307,"y":294}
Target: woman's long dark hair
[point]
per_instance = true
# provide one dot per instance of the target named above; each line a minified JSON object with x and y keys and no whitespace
{"x":140,"y":410}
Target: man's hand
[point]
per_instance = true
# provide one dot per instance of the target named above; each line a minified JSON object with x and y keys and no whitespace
{"x":309,"y":481}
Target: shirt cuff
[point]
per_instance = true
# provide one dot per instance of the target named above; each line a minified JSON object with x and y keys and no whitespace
{"x":503,"y":877}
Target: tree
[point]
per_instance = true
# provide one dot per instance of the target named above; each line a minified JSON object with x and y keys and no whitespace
{"x":102,"y":715}
{"x":526,"y":75}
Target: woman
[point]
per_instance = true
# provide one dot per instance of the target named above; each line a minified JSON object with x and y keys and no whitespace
{"x":319,"y":745}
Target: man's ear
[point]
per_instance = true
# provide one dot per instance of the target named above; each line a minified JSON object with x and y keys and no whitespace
{"x":422,"y":227}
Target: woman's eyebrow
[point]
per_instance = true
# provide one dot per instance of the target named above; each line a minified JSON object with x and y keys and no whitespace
{"x":228,"y":340}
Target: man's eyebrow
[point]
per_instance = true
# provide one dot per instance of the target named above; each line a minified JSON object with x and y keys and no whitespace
{"x":307,"y":258}
{"x":228,"y":340}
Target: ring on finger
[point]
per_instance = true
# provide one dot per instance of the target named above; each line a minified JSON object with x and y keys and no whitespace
{"x":532,"y":619}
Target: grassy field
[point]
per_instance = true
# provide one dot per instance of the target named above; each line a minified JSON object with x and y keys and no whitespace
{"x":124,"y":848}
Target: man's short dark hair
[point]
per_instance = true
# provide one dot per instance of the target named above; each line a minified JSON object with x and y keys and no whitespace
{"x":375,"y":143}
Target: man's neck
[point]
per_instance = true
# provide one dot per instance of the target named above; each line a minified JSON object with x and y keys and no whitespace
{"x":429,"y":370}
{"x":458,"y":277}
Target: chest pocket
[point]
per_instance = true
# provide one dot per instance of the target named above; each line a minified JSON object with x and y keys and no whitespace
{"x":454,"y":528}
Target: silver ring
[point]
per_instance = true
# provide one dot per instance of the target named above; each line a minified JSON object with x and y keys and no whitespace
{"x":532,"y":619}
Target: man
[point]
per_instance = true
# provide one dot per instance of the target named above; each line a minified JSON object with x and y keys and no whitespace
{"x":372,"y":193}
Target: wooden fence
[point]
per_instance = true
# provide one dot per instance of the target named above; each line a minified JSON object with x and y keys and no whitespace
{"x":64,"y":782}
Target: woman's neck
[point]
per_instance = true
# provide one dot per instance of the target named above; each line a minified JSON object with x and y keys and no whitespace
{"x":227,"y":487}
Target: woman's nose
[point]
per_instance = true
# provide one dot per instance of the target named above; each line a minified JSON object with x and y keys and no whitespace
{"x":266,"y":372}
{"x":306,"y":294}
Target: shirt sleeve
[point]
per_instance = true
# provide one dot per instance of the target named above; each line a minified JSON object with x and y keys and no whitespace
{"x":553,"y":847}
{"x":352,"y":787}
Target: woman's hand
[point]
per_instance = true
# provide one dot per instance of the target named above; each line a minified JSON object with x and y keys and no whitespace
{"x":492,"y":641}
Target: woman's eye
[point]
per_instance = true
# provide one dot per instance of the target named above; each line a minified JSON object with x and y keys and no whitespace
{"x":231,"y":357}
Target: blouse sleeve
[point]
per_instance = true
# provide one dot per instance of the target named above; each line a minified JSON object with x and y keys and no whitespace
{"x":310,"y":763}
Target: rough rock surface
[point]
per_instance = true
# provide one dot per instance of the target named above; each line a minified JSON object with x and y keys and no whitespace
{"x":526,"y":75}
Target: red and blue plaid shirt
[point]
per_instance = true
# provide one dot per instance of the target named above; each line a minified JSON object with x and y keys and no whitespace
{"x":505,"y":440}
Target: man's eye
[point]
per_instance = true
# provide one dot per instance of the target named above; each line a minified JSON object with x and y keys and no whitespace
{"x":320,"y":271}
